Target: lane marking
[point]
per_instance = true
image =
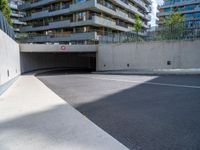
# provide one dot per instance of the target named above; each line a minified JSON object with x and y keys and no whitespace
{"x":147,"y":82}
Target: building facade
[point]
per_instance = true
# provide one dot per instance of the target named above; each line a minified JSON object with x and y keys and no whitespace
{"x":190,"y":9}
{"x":81,"y":21}
{"x":16,"y":15}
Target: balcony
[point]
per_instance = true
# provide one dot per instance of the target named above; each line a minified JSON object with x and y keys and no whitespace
{"x":18,"y":15}
{"x":13,"y":6}
{"x":181,"y":3}
{"x":94,"y":20}
{"x":99,"y":21}
{"x":64,"y":10}
{"x":83,"y":6}
{"x":117,"y":13}
{"x":29,"y":5}
{"x":64,"y":37}
{"x":129,"y":7}
{"x":196,"y":9}
{"x":142,"y":4}
{"x":120,"y":14}
{"x":16,"y":21}
{"x":149,"y":1}
{"x":51,"y":25}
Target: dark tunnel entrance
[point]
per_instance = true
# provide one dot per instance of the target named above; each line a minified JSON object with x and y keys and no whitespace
{"x":31,"y":61}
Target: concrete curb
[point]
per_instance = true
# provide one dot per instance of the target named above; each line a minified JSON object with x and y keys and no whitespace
{"x":152,"y":72}
{"x":6,"y":85}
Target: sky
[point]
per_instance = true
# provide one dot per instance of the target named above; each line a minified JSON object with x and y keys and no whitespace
{"x":154,"y":10}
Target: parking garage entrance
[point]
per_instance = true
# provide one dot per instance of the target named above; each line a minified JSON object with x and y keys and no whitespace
{"x":83,"y":61}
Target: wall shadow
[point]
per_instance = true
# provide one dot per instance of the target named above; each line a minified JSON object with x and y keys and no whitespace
{"x":149,"y":117}
{"x":49,"y":129}
{"x":65,"y":71}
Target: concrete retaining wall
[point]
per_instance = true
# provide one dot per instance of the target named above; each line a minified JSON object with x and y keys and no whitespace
{"x":9,"y":61}
{"x":149,"y":55}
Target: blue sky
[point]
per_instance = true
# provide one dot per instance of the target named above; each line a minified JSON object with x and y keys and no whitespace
{"x":154,"y":10}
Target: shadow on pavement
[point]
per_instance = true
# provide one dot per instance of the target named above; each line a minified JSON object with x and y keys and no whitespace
{"x":65,"y":71}
{"x":148,"y":117}
{"x":144,"y":116}
{"x":53,"y":129}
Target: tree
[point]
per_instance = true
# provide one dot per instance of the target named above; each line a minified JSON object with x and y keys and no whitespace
{"x":138,"y":24}
{"x":173,"y":26}
{"x":174,"y":19}
{"x":5,"y":9}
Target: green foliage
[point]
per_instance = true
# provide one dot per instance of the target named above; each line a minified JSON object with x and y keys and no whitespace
{"x":174,"y":19}
{"x":173,"y":27}
{"x":5,"y":9}
{"x":138,"y":23}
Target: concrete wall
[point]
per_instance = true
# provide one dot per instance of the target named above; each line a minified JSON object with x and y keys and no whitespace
{"x":149,"y":55}
{"x":9,"y":60}
{"x":57,"y":48}
{"x":35,"y":60}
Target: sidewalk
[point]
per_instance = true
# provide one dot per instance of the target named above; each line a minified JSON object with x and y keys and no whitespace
{"x":32,"y":117}
{"x":152,"y":72}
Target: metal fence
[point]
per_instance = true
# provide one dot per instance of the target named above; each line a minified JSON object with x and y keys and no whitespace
{"x":4,"y":26}
{"x":182,"y":31}
{"x":175,"y":32}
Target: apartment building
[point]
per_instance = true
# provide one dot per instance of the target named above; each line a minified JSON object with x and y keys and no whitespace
{"x":81,"y":21}
{"x":16,"y":15}
{"x":190,"y":9}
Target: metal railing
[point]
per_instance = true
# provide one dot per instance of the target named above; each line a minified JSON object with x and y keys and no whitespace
{"x":182,"y":31}
{"x":4,"y":26}
{"x":177,"y":32}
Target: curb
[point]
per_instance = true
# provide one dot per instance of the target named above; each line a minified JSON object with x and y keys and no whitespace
{"x":152,"y":72}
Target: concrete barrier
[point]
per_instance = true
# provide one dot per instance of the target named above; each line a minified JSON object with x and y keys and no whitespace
{"x":57,"y":48}
{"x":149,"y":55}
{"x":9,"y":61}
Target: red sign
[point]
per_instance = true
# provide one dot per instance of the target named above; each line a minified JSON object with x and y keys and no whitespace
{"x":63,"y":48}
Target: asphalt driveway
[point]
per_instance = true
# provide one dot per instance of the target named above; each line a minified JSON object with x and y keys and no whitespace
{"x":142,"y":112}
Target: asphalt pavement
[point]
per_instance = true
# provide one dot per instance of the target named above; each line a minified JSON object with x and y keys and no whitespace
{"x":142,"y":112}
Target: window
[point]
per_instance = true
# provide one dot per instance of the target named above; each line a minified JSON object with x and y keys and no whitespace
{"x":81,"y":16}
